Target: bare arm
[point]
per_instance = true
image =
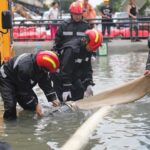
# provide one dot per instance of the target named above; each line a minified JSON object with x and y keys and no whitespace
{"x":128,"y":10}
{"x":104,"y":16}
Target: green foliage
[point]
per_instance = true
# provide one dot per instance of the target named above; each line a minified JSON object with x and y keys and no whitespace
{"x":142,"y":10}
{"x":64,"y":4}
{"x":116,"y":5}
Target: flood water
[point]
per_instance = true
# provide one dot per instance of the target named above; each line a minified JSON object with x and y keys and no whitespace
{"x":126,"y":126}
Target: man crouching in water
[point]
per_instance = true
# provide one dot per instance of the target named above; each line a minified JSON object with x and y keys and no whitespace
{"x":75,"y":81}
{"x":20,"y":74}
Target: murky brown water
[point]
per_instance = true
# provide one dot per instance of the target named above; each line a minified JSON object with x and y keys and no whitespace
{"x":126,"y":126}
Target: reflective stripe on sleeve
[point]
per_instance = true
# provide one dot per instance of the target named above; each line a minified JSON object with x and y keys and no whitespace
{"x":78,"y":60}
{"x":50,"y":93}
{"x":3,"y":72}
{"x":67,"y":33}
{"x":18,"y":58}
{"x":80,"y":34}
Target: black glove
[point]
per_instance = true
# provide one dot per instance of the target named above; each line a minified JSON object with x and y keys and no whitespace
{"x":87,"y":82}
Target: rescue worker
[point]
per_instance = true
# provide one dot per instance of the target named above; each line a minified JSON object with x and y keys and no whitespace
{"x":106,"y":13}
{"x":147,"y":70}
{"x":20,"y":74}
{"x":75,"y":77}
{"x":89,"y":12}
{"x":71,"y":28}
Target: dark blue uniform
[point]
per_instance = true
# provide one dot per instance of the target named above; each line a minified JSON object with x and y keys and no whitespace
{"x":17,"y":78}
{"x":75,"y":70}
{"x":69,"y":30}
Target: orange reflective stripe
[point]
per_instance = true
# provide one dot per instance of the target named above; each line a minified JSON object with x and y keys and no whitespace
{"x":50,"y":60}
{"x":96,"y":36}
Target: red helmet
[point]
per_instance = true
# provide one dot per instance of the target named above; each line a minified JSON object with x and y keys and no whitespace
{"x":95,"y":39}
{"x":48,"y":60}
{"x":76,"y":8}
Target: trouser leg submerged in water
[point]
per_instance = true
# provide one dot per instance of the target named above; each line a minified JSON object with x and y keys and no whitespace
{"x":5,"y":146}
{"x":10,"y":98}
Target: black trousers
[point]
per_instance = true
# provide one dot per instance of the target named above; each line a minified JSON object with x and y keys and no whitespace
{"x":11,"y":96}
{"x":77,"y":89}
{"x":133,"y":27}
{"x":106,"y":27}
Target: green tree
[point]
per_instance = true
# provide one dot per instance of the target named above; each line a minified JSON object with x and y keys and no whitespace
{"x":64,"y":4}
{"x":142,"y":10}
{"x":116,"y":5}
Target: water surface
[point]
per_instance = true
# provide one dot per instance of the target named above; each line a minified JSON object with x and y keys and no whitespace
{"x":127,"y":126}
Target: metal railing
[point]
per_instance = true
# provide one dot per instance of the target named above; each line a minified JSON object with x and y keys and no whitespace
{"x":40,"y":30}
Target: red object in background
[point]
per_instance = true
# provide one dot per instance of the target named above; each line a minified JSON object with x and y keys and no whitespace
{"x":115,"y":33}
{"x":22,"y":33}
{"x":30,"y":36}
{"x":125,"y":32}
{"x":141,"y":33}
{"x":24,"y":29}
{"x":53,"y":30}
{"x":19,"y":29}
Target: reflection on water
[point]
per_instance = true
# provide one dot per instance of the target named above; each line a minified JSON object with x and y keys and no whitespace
{"x":127,"y":126}
{"x":115,"y":69}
